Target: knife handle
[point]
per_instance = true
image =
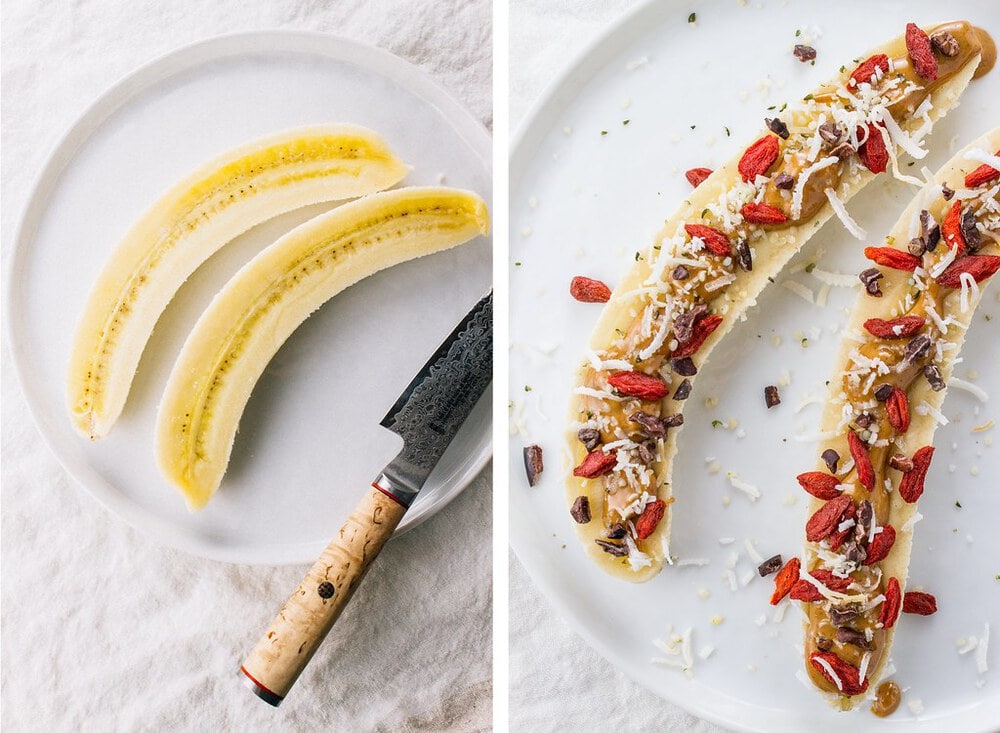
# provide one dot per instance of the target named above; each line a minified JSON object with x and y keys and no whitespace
{"x":289,"y":643}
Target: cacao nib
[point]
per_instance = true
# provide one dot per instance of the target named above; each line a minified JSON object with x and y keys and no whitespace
{"x":683,"y":390}
{"x":854,"y":552}
{"x":616,"y":531}
{"x":651,"y":425}
{"x":778,"y":127}
{"x":930,"y":232}
{"x":684,"y":366}
{"x":945,"y":43}
{"x":680,"y":273}
{"x":612,"y":549}
{"x":841,"y":615}
{"x":864,"y":420}
{"x":901,"y":462}
{"x":533,"y":463}
{"x":771,"y":565}
{"x":784,"y":181}
{"x":830,"y":133}
{"x":847,"y":635}
{"x":831,"y":458}
{"x":947,"y":192}
{"x":969,"y":231}
{"x":743,"y":255}
{"x":804,"y":53}
{"x":870,"y":278}
{"x":916,"y":247}
{"x":685,"y":322}
{"x":771,"y":397}
{"x":882,"y":392}
{"x":580,"y":511}
{"x":865,"y":517}
{"x":824,"y":644}
{"x":647,"y":452}
{"x":933,"y":376}
{"x":917,"y":348}
{"x":590,"y":437}
{"x":673,"y":421}
{"x":843,"y":151}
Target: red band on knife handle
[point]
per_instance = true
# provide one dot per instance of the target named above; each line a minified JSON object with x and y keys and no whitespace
{"x":390,"y":495}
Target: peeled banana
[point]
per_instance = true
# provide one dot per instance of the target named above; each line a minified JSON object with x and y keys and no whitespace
{"x":222,"y":199}
{"x":266,"y":301}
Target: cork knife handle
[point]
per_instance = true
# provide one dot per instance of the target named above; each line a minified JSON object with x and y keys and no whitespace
{"x":304,"y":620}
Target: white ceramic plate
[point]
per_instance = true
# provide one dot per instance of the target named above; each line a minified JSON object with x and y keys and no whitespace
{"x":310,"y":442}
{"x":581,"y":204}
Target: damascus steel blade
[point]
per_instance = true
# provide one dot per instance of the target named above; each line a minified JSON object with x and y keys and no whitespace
{"x":431,"y":410}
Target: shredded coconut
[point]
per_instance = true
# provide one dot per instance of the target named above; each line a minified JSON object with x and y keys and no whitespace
{"x":845,"y":218}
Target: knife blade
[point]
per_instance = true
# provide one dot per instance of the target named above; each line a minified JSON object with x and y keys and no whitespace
{"x":427,"y":415}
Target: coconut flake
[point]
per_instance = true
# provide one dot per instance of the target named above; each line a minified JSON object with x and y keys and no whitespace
{"x":799,"y":289}
{"x":804,"y":177}
{"x":968,"y":286}
{"x":983,"y":157}
{"x":829,"y":670}
{"x":749,"y":489}
{"x":924,"y":408}
{"x":981,"y":650}
{"x":976,"y":391}
{"x":845,"y":218}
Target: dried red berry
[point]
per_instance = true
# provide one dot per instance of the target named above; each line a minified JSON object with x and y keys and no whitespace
{"x":922,"y":604}
{"x":872,"y":151}
{"x":866,"y":69}
{"x":696,"y":175}
{"x":819,"y":484}
{"x":715,"y":241}
{"x":637,"y":384}
{"x":897,"y":259}
{"x":983,"y":174}
{"x":951,"y":228}
{"x":839,"y":536}
{"x":911,"y":486}
{"x":649,"y":518}
{"x":878,"y":548}
{"x":897,"y":328}
{"x":848,"y":675}
{"x":918,"y":44}
{"x":785,"y":579}
{"x":805,"y":591}
{"x":898,"y":408}
{"x":587,"y":290}
{"x":597,"y":463}
{"x":825,"y":520}
{"x":703,"y":328}
{"x":889,"y":612}
{"x":758,"y":158}
{"x":863,"y":462}
{"x":762,"y":214}
{"x":979,"y":266}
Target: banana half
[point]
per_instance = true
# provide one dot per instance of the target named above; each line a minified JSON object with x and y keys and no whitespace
{"x":216,"y":203}
{"x":270,"y":297}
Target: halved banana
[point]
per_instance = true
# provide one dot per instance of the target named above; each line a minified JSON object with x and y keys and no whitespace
{"x":266,"y":301}
{"x":216,"y":203}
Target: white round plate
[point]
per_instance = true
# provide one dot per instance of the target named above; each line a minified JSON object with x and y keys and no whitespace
{"x":310,"y":442}
{"x":582,"y":203}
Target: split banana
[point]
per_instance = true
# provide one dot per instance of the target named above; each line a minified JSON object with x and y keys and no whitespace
{"x":216,"y":203}
{"x":266,"y":301}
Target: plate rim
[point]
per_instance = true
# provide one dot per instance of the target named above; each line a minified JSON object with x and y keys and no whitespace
{"x":529,"y":134}
{"x":239,"y":44}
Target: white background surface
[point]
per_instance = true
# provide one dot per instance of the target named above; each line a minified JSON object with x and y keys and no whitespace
{"x":600,"y":199}
{"x":104,"y":629}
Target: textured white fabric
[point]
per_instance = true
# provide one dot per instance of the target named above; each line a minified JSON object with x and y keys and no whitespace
{"x":105,"y":630}
{"x":557,"y":682}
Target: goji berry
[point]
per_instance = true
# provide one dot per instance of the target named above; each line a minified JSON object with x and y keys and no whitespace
{"x":922,"y":604}
{"x":897,"y":328}
{"x":979,"y":266}
{"x":785,"y":579}
{"x":762,"y":214}
{"x":715,"y":241}
{"x":848,"y":678}
{"x":758,"y":158}
{"x":866,"y":69}
{"x":637,"y":384}
{"x":825,"y":520}
{"x":918,"y":44}
{"x":983,"y":174}
{"x":951,"y":228}
{"x":588,"y":290}
{"x":889,"y":612}
{"x":805,"y":591}
{"x":872,"y":151}
{"x":696,"y":175}
{"x":878,"y":548}
{"x":819,"y":484}
{"x":597,"y":463}
{"x":862,"y":461}
{"x":898,"y":409}
{"x":911,"y":486}
{"x":649,"y":518}
{"x":894,"y":258}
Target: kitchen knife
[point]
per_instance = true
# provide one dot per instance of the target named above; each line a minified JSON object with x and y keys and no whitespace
{"x":427,"y":416}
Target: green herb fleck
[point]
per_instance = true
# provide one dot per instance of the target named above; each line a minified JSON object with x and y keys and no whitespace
{"x":810,"y":267}
{"x":527,"y":388}
{"x":517,"y":264}
{"x":770,"y":279}
{"x":716,"y":423}
{"x":807,"y":97}
{"x":604,"y":132}
{"x":705,"y":213}
{"x":625,"y":122}
{"x":958,"y":504}
{"x":692,"y":18}
{"x":804,"y":342}
{"x":798,"y":32}
{"x":727,"y":131}
{"x":638,"y":256}
{"x":784,"y":105}
{"x":621,"y":334}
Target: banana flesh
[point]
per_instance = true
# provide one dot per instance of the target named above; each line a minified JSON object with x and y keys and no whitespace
{"x":216,"y":203}
{"x":270,"y":297}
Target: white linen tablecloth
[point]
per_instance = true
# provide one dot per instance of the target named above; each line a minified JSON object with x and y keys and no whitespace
{"x":558,"y":682}
{"x":105,"y":630}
